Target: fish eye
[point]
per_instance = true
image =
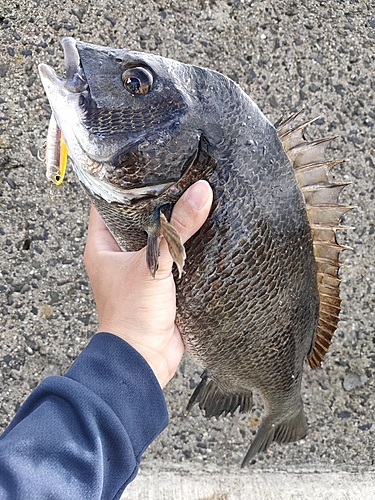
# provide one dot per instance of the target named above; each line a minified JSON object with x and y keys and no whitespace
{"x":137,"y":80}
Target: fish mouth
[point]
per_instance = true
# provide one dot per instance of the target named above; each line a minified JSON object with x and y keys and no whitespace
{"x":75,"y":81}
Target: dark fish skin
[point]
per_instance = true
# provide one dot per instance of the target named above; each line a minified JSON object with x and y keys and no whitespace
{"x":248,"y":301}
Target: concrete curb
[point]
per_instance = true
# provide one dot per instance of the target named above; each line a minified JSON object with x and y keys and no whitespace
{"x":154,"y":484}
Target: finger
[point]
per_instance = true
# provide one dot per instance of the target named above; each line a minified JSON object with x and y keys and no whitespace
{"x":99,"y":237}
{"x":189,"y":214}
{"x":192,"y":209}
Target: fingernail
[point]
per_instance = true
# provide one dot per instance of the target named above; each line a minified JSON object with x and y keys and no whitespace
{"x":198,"y":194}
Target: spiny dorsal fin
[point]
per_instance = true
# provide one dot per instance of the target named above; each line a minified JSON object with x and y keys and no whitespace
{"x":324,"y":213}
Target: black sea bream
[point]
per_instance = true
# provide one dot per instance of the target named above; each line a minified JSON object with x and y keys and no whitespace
{"x":260,"y":290}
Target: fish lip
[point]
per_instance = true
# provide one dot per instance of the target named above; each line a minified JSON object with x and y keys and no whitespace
{"x":75,"y":77}
{"x":75,"y":81}
{"x":49,"y":73}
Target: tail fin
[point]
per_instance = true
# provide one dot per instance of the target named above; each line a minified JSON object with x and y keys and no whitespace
{"x":214,"y":401}
{"x":285,"y":432}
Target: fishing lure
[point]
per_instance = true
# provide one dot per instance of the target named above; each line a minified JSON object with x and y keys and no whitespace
{"x":56,"y":153}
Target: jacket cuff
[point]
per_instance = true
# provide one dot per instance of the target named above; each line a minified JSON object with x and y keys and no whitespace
{"x":120,"y":376}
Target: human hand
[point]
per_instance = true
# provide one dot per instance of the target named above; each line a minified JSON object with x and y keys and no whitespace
{"x":131,"y":304}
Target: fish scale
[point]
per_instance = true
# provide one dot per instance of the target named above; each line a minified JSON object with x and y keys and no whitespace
{"x":260,"y":288}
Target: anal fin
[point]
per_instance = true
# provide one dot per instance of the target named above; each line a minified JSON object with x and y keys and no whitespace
{"x":214,"y":401}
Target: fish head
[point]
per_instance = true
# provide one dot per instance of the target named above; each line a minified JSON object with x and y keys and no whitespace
{"x":131,"y":120}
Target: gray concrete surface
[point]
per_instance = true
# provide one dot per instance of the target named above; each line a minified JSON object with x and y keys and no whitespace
{"x":218,"y":484}
{"x":287,"y":55}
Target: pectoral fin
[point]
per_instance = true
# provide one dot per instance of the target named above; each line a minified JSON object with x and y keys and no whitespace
{"x":153,"y":247}
{"x":158,"y":227}
{"x":174,"y":242}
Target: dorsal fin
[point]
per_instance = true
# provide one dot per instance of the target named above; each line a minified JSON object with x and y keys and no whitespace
{"x":324,"y":213}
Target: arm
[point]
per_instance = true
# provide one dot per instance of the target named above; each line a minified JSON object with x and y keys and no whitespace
{"x":83,"y":435}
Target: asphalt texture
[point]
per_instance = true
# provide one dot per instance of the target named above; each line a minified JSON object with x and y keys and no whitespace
{"x":310,"y":55}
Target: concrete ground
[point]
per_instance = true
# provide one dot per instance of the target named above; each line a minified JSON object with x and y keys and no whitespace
{"x":218,"y":484}
{"x":287,"y":55}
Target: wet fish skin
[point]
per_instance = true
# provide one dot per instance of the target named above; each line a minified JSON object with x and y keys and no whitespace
{"x":248,"y":303}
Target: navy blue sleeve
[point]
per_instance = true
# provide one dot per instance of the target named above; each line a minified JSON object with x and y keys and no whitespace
{"x":82,"y":435}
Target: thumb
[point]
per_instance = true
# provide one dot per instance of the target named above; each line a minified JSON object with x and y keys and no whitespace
{"x":189,"y":214}
{"x":192,"y":209}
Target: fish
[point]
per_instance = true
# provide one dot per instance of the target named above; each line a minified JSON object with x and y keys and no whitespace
{"x":258,"y":289}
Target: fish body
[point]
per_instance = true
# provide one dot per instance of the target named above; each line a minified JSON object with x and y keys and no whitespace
{"x":140,"y":129}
